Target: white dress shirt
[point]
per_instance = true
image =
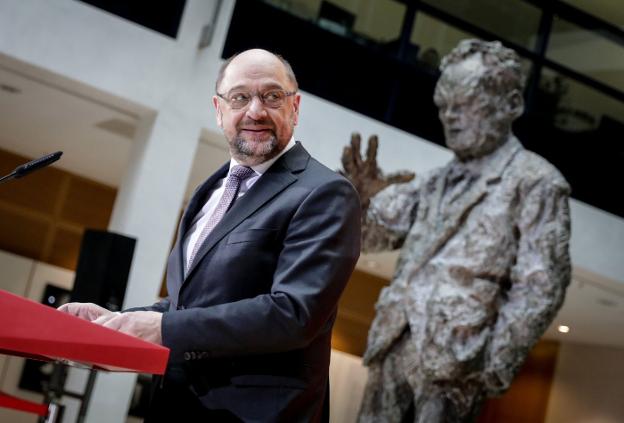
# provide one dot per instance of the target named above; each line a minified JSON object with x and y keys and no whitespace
{"x":202,"y":217}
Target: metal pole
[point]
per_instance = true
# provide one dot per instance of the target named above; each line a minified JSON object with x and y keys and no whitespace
{"x":86,"y":396}
{"x":55,"y":413}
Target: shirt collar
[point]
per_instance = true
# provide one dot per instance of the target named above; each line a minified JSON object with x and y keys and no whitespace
{"x":264,"y":166}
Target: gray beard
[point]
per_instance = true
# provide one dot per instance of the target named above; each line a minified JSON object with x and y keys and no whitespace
{"x":245,"y":150}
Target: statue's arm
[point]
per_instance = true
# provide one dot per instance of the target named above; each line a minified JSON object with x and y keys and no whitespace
{"x":387,"y":201}
{"x":538,"y":280}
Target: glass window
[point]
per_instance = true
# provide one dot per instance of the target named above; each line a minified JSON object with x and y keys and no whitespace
{"x":432,"y":39}
{"x":379,"y":20}
{"x":368,"y":21}
{"x":512,"y":20}
{"x":608,"y":10}
{"x":579,"y":130}
{"x":576,"y":107}
{"x":587,"y":52}
{"x":306,"y":9}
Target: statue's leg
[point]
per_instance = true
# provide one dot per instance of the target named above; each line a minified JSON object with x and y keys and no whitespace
{"x":387,"y":395}
{"x":433,"y":407}
{"x":449,"y":404}
{"x":478,"y":398}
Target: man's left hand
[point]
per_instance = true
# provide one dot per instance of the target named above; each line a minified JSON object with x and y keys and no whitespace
{"x":142,"y":324}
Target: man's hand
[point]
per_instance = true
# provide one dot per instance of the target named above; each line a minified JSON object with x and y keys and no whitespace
{"x":142,"y":324}
{"x":367,"y":178}
{"x":86,"y":311}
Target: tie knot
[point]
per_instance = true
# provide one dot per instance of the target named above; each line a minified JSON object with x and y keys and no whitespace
{"x":241,"y":172}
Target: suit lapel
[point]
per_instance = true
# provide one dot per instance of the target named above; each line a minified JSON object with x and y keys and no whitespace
{"x":198,"y":199}
{"x":277,"y":178}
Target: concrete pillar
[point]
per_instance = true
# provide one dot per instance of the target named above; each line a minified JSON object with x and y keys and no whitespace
{"x":147,"y":208}
{"x":151,"y":195}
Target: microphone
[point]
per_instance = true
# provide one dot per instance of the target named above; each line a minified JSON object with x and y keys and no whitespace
{"x":31,"y":166}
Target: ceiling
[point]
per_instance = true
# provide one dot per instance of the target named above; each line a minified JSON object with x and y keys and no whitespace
{"x":39,"y":116}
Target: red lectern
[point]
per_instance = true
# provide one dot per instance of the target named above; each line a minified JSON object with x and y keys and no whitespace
{"x":36,"y":331}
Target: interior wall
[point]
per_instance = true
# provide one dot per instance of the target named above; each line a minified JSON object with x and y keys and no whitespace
{"x":588,"y":385}
{"x":528,"y":398}
{"x":356,"y":310}
{"x":347,"y":379}
{"x":52,"y":35}
{"x":16,"y":272}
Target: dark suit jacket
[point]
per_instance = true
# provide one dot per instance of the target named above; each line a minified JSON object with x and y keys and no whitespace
{"x":249,"y":327}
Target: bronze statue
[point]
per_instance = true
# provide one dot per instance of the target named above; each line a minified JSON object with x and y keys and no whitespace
{"x":484,"y":261}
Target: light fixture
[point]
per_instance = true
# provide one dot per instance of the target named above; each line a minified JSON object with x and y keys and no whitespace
{"x":563,"y":329}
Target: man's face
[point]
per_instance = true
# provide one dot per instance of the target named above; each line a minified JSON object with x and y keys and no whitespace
{"x":475,"y":121}
{"x":256,"y":133}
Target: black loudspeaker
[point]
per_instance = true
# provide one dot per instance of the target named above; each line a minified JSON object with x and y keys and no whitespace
{"x":103,"y":269}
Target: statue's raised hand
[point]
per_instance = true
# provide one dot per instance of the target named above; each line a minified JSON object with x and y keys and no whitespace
{"x":364,"y":174}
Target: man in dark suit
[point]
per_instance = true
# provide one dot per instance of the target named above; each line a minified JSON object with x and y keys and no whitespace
{"x":263,"y":253}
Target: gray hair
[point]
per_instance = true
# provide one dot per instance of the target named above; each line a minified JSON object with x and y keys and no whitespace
{"x":503,"y":67}
{"x":289,"y":71}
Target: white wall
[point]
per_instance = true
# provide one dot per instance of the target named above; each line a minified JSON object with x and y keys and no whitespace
{"x":347,"y":380}
{"x":70,"y":38}
{"x":597,"y":241}
{"x":588,"y":385}
{"x":15,"y":278}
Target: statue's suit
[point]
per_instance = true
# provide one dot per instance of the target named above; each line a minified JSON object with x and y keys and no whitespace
{"x":484,"y":263}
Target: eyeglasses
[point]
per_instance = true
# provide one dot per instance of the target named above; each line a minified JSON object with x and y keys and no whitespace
{"x":273,"y":98}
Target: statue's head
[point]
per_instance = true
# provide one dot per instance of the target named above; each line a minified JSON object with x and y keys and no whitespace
{"x":479,"y":95}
